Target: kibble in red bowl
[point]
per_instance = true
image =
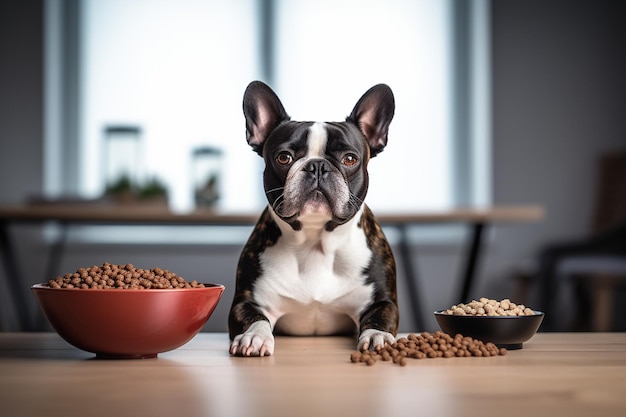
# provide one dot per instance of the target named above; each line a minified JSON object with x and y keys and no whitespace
{"x":120,"y":311}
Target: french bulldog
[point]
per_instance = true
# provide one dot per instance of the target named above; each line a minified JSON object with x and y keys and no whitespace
{"x":317,"y":261}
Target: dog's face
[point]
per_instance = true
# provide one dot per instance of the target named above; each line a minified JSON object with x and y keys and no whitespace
{"x":316,"y":171}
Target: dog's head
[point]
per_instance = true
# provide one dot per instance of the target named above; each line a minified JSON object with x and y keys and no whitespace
{"x":316,"y":171}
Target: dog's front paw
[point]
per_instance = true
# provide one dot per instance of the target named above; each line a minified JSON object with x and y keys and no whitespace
{"x":374,"y":339}
{"x":258,"y":340}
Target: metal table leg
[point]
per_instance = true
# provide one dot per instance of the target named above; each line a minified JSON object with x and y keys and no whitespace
{"x":56,"y":252}
{"x":14,"y":277}
{"x":411,"y":277}
{"x":471,"y":261}
{"x":52,"y":268}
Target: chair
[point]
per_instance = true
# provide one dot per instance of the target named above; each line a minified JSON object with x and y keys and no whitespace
{"x":596,"y":264}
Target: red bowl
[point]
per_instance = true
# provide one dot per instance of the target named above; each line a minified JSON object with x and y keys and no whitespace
{"x":124,"y":323}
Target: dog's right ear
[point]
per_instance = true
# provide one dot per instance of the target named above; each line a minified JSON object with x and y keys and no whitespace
{"x":263,"y":111}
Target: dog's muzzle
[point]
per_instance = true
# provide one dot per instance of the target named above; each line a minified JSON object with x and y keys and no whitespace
{"x":315,"y":185}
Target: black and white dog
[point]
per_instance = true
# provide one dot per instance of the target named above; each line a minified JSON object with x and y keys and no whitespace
{"x":317,"y":262}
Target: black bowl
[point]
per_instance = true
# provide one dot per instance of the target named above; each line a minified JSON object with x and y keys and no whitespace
{"x":505,"y":331}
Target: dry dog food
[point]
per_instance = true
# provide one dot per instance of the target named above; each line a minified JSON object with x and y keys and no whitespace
{"x":428,"y":345}
{"x":121,"y":277}
{"x":487,"y":307}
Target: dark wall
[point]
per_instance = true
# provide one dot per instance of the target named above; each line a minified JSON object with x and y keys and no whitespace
{"x":559,"y":91}
{"x":559,"y":88}
{"x":21,"y":98}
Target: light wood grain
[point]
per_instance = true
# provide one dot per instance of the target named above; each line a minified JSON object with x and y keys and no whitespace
{"x":554,"y":375}
{"x":86,"y":213}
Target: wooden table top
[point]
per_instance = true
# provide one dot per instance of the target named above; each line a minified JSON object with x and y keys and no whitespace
{"x":160,"y":214}
{"x":555,"y":374}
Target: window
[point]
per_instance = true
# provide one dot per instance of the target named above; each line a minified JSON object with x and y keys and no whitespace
{"x":178,"y":70}
{"x":326,"y":60}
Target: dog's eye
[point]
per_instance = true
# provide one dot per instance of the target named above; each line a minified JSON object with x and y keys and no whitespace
{"x":284,"y":158}
{"x":349,"y":160}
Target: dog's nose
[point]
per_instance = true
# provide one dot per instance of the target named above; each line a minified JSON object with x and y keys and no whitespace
{"x":317,"y":168}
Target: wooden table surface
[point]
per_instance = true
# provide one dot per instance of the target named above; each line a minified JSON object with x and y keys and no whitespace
{"x":103,"y":213}
{"x":555,"y":374}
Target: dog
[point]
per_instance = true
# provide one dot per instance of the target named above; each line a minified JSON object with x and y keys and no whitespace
{"x":317,"y":261}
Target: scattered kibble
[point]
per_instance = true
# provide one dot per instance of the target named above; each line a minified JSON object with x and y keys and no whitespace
{"x":427,"y":345}
{"x":111,"y":276}
{"x":487,"y":307}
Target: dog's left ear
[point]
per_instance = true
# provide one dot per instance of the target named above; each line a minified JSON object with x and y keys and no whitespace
{"x":373,"y":114}
{"x":263,"y":111}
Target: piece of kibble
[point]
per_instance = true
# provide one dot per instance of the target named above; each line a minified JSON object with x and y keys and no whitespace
{"x":428,"y":345}
{"x":111,"y":276}
{"x":487,"y":307}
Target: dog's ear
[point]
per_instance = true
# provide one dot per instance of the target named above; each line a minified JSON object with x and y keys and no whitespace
{"x":373,"y":114}
{"x":263,"y":111}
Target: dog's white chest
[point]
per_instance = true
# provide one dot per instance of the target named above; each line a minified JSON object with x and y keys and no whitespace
{"x":313,"y":281}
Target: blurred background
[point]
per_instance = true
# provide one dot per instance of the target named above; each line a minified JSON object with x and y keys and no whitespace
{"x":498,"y":103}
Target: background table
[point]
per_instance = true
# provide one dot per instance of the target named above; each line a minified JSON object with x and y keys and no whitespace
{"x":554,"y":375}
{"x":67,"y":215}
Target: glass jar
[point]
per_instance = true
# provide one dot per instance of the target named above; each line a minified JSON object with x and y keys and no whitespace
{"x":122,"y":153}
{"x":207,"y":167}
